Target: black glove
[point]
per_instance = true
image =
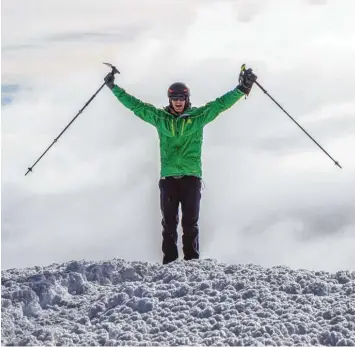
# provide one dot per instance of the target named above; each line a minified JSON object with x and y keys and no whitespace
{"x":246,"y":80}
{"x":110,"y":80}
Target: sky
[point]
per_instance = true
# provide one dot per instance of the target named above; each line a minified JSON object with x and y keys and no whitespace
{"x":270,"y":196}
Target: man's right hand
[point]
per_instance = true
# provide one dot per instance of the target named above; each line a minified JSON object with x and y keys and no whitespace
{"x":110,"y":80}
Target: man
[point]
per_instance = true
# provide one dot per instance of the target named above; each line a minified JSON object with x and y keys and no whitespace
{"x":180,"y":129}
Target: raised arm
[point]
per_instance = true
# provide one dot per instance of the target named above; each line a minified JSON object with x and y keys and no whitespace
{"x":211,"y":110}
{"x":144,"y":111}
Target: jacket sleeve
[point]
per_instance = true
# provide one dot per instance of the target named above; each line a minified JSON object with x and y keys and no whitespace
{"x":144,"y":111}
{"x":211,"y":110}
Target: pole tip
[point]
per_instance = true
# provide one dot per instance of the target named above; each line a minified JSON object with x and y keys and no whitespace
{"x":337,"y":164}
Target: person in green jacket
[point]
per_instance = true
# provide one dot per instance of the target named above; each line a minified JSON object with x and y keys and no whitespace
{"x":180,"y":129}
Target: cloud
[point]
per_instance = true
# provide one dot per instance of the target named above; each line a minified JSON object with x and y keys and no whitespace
{"x":271,"y":195}
{"x":247,"y":11}
{"x":317,"y":2}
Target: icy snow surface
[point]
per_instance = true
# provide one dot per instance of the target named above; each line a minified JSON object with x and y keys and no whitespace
{"x":199,"y":302}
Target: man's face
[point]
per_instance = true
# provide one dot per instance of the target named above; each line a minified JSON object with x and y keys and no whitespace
{"x":178,"y":103}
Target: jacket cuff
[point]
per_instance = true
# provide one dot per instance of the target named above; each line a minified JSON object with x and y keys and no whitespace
{"x":243,"y":89}
{"x":117,"y":90}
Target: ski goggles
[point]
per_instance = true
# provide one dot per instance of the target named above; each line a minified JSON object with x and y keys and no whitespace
{"x":178,"y":97}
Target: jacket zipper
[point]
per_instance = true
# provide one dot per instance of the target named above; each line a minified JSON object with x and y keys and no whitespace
{"x":183,"y":126}
{"x":172,"y":127}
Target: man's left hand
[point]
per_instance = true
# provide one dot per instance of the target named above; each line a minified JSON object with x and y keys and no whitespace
{"x":246,"y":80}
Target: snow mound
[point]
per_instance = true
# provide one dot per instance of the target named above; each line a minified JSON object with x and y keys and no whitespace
{"x":198,"y":302}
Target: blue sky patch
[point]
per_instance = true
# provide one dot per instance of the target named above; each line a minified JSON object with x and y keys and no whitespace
{"x":7,"y":93}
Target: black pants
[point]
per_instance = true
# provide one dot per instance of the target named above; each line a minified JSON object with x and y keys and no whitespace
{"x":173,"y":191}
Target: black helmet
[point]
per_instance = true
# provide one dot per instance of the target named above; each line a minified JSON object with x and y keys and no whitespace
{"x":178,"y":88}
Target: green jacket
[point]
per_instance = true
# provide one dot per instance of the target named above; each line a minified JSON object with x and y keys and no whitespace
{"x":180,"y":136}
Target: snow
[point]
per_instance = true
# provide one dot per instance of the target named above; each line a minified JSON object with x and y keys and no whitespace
{"x":197,"y":302}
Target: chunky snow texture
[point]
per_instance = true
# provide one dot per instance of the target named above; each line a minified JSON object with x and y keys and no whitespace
{"x":198,"y":302}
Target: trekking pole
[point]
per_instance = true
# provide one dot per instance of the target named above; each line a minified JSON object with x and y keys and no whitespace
{"x":114,"y":71}
{"x":258,"y":84}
